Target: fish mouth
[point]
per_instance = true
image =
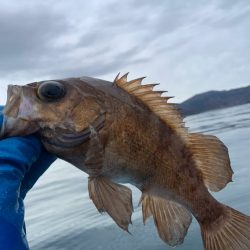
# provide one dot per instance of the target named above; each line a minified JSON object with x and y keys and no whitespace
{"x":16,"y":121}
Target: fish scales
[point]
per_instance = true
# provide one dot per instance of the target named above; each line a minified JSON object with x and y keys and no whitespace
{"x":125,"y":132}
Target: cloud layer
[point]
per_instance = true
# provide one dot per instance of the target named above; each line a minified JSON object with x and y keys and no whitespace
{"x":188,"y":46}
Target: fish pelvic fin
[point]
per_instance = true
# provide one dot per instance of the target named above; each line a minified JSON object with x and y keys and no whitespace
{"x":229,"y":232}
{"x":171,"y":219}
{"x":115,"y":199}
{"x":212,"y":159}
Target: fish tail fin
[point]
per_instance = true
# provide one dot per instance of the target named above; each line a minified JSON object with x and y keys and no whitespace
{"x":230,"y":232}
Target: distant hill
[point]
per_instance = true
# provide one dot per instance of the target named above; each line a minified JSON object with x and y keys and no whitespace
{"x":215,"y":100}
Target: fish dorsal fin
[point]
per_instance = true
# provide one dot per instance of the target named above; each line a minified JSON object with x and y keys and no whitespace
{"x":115,"y":199}
{"x":209,"y":153}
{"x":154,"y":101}
{"x":171,"y":219}
{"x":212,"y":159}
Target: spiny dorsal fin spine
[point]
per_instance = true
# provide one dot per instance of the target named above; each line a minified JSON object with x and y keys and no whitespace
{"x":142,"y":88}
{"x":149,"y":94}
{"x":117,"y":77}
{"x":136,"y":81}
{"x":122,"y":80}
{"x":166,"y":111}
{"x":162,"y":99}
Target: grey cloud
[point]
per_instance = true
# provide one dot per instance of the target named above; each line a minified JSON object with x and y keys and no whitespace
{"x":228,"y":17}
{"x":101,"y":63}
{"x":117,"y":29}
{"x":27,"y":36}
{"x":229,"y":4}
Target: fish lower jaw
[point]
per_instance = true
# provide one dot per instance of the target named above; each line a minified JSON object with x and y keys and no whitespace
{"x":17,"y":127}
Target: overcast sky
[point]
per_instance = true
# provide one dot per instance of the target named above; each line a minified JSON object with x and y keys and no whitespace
{"x":188,"y":46}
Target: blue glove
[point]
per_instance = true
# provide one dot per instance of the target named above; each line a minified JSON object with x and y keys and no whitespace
{"x":22,"y":161}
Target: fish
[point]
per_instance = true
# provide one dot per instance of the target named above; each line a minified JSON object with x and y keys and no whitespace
{"x":125,"y":131}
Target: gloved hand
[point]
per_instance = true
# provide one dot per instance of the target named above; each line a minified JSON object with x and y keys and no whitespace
{"x":22,"y":161}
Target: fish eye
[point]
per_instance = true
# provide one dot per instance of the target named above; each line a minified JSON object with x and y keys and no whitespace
{"x":51,"y":91}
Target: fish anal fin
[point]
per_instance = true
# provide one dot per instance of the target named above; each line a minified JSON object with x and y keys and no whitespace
{"x":171,"y":219}
{"x":212,"y":159}
{"x":229,"y":232}
{"x":115,"y":199}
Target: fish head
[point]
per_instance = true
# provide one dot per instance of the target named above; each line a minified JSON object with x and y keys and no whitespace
{"x":58,"y":109}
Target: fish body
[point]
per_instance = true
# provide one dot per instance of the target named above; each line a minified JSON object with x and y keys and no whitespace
{"x":124,"y":132}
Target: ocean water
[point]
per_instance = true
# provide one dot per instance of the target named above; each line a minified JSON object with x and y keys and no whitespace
{"x":60,"y":215}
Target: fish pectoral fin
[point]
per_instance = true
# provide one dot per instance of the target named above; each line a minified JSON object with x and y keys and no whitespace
{"x":115,"y":199}
{"x":94,"y":155}
{"x":212,"y":159}
{"x":171,"y":219}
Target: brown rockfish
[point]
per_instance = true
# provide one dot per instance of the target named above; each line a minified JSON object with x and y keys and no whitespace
{"x":125,"y":132}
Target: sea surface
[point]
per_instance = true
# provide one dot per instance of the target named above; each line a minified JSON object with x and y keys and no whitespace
{"x":60,"y":215}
